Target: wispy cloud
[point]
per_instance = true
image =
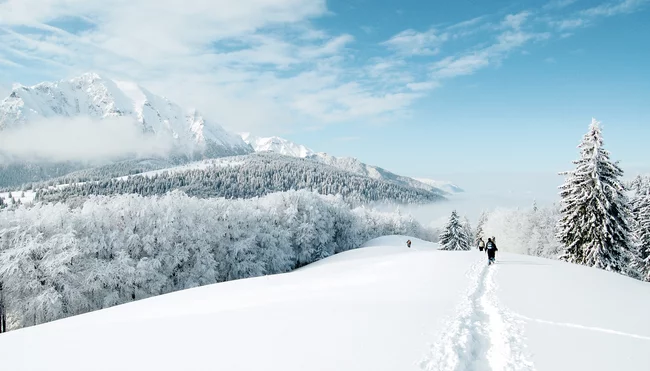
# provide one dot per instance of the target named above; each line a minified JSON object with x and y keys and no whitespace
{"x":558,"y":4}
{"x":423,"y":86}
{"x":568,"y":24}
{"x":615,"y":8}
{"x":510,"y":39}
{"x":367,"y":29}
{"x":515,"y":21}
{"x":587,"y":17}
{"x":550,"y":60}
{"x":252,"y":64}
{"x":260,"y":65}
{"x":509,"y":33}
{"x":411,"y":42}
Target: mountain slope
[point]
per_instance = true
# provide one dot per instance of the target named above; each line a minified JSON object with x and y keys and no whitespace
{"x":248,"y":176}
{"x":92,"y":96}
{"x":353,"y":165}
{"x":377,"y":308}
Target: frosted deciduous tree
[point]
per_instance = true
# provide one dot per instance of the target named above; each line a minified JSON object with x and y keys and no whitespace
{"x":469,"y":232}
{"x":454,"y":236}
{"x":594,"y":224}
{"x":57,"y":260}
{"x":480,"y":226}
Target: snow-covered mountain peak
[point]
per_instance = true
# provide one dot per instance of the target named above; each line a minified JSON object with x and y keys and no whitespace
{"x":277,"y":145}
{"x":97,"y":97}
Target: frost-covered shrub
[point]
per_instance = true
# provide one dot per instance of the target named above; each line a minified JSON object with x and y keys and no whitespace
{"x":531,"y":231}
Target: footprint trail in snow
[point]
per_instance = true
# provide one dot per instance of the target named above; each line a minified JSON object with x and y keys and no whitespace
{"x":483,"y":335}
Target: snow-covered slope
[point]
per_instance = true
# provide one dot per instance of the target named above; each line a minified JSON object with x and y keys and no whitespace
{"x":380,"y":308}
{"x":351,"y":164}
{"x":90,"y":95}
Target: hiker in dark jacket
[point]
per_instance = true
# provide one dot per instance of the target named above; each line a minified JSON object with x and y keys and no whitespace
{"x":491,"y":249}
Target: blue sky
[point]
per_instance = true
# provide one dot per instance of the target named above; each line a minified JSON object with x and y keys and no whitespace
{"x":458,"y":90}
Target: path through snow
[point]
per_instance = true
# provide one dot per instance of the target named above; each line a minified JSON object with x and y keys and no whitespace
{"x":483,"y":335}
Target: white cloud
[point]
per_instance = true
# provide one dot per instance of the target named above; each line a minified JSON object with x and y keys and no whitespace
{"x":515,"y":21}
{"x":466,"y":24}
{"x":471,"y":62}
{"x":422,"y":86}
{"x":615,"y":8}
{"x":550,"y":60}
{"x":411,"y":42}
{"x":243,"y":63}
{"x":80,"y":139}
{"x":463,"y":65}
{"x":568,"y":24}
{"x":260,"y":65}
{"x":587,"y":17}
{"x":558,"y":4}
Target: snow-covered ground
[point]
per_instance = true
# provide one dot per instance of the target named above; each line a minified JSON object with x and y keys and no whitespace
{"x":197,"y":165}
{"x":24,"y":197}
{"x":382,"y":307}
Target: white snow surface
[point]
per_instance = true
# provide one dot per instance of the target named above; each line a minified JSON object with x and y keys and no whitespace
{"x":381,"y":307}
{"x":91,"y":95}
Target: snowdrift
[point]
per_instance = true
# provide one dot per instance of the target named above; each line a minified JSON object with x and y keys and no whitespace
{"x":382,"y":307}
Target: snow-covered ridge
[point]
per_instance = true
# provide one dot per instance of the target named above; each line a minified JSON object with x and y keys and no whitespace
{"x":351,"y":164}
{"x":93,"y":96}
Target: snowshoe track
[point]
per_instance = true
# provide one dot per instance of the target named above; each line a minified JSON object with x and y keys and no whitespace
{"x":482,"y":336}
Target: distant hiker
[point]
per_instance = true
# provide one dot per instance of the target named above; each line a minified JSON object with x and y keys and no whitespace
{"x":481,"y":244}
{"x":491,"y":249}
{"x":408,"y":243}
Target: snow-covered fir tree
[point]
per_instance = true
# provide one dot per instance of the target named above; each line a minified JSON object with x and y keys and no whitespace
{"x":454,"y":236}
{"x":641,"y":229}
{"x":594,"y":226}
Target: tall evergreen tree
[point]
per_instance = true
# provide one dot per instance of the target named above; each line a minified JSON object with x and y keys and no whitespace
{"x":641,"y":229}
{"x":454,"y":236}
{"x":594,"y":224}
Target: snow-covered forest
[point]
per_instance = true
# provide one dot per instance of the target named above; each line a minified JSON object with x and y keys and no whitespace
{"x":246,"y":177}
{"x":57,"y":261}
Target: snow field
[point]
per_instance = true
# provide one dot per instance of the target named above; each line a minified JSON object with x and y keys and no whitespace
{"x":374,"y":308}
{"x":483,"y":335}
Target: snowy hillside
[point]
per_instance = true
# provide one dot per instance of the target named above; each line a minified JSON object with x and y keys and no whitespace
{"x":379,"y":308}
{"x":353,"y":165}
{"x":90,"y":95}
{"x":246,"y":176}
